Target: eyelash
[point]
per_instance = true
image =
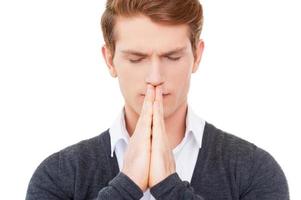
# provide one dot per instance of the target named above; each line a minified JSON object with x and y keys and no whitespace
{"x":170,"y":58}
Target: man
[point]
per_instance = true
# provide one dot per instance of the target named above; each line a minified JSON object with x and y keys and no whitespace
{"x":157,"y":148}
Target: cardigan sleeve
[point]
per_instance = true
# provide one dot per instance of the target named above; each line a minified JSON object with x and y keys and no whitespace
{"x":172,"y":187}
{"x":267,"y":182}
{"x":47,"y":182}
{"x":121,"y":187}
{"x":50,"y":182}
{"x":266,"y":179}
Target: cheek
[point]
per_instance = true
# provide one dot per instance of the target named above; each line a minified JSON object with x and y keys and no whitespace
{"x":129,"y":81}
{"x":179,"y":78}
{"x":179,"y":72}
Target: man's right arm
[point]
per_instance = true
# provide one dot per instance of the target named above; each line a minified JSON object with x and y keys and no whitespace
{"x":49,"y":182}
{"x":121,"y":187}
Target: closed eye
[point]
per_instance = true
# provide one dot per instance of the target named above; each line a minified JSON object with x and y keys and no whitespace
{"x":138,"y":60}
{"x":174,"y":58}
{"x":135,"y":61}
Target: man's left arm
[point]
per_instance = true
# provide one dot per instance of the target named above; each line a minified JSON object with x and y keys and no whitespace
{"x":174,"y":188}
{"x":266,"y":182}
{"x":266,"y":179}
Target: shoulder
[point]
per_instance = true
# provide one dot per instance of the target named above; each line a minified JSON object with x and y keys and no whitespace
{"x":233,"y":147}
{"x":86,"y":149}
{"x":219,"y":141}
{"x":58,"y":173}
{"x":80,"y":155}
{"x":83,"y":152}
{"x":252,"y":167}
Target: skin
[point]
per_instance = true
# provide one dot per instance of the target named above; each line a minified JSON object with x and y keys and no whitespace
{"x":155,"y":122}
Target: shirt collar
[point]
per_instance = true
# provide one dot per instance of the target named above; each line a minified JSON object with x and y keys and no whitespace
{"x":194,"y":125}
{"x":118,"y":131}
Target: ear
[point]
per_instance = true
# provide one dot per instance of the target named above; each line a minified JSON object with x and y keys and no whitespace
{"x":107,"y":55}
{"x":199,"y":53}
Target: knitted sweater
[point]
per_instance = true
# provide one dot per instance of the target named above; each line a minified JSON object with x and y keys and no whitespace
{"x":227,"y":168}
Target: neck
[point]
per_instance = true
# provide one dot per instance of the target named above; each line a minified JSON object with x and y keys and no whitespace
{"x":175,"y":123}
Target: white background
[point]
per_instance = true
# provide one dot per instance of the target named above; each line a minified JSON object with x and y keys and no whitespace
{"x":55,"y":89}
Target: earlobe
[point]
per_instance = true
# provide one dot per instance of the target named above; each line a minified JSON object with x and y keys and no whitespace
{"x":109,"y":61}
{"x":199,"y":53}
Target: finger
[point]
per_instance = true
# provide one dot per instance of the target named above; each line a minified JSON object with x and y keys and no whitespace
{"x":158,"y":93}
{"x":159,"y":98}
{"x":158,"y":119}
{"x":156,"y":116}
{"x":145,"y":119}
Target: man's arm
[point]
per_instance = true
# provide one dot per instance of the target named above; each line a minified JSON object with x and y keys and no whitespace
{"x":121,"y":187}
{"x":174,"y":188}
{"x":266,"y":180}
{"x":47,"y":182}
{"x":51,"y":182}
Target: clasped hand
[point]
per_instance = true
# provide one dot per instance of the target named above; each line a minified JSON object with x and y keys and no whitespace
{"x":149,"y":158}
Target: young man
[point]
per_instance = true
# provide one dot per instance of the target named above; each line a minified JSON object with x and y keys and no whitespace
{"x":157,"y":148}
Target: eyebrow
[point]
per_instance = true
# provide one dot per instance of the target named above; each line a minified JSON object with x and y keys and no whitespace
{"x":142,"y":54}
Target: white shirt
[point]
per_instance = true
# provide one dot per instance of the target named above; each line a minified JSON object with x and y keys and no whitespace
{"x":185,"y":153}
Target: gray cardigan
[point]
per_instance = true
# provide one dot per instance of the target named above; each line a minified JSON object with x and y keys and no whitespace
{"x":227,"y":168}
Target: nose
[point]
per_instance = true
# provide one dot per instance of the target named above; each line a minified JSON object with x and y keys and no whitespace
{"x":155,"y":75}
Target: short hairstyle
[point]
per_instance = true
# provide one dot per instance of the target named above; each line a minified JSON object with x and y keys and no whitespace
{"x":170,"y":12}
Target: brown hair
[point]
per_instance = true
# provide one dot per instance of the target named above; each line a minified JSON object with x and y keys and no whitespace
{"x":172,"y":12}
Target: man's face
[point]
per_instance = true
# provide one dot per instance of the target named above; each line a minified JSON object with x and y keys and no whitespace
{"x":144,"y":55}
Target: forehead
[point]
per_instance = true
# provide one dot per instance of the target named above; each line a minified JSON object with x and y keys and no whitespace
{"x":141,"y":33}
